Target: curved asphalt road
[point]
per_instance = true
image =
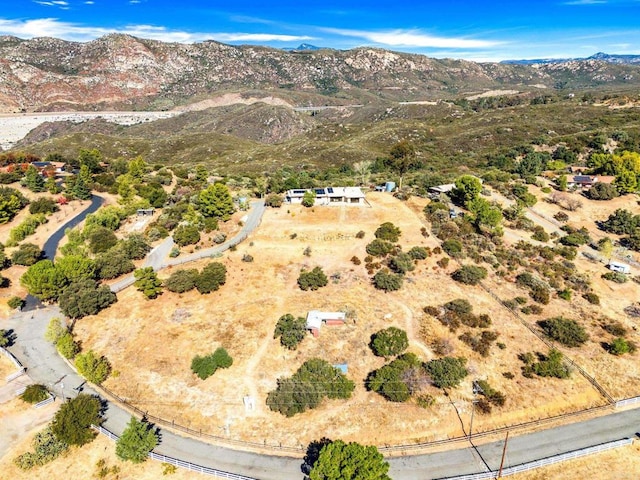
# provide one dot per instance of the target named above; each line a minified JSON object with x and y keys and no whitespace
{"x":46,"y":366}
{"x":51,"y":245}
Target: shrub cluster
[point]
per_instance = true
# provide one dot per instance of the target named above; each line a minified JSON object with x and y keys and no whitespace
{"x":567,"y":332}
{"x":308,"y":386}
{"x":206,"y":366}
{"x":290,"y":330}
{"x":312,"y":280}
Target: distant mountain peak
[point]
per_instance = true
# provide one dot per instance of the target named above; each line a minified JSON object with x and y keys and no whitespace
{"x":600,"y":56}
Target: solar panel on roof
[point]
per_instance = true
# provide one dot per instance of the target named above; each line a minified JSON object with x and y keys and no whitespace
{"x":330,"y":189}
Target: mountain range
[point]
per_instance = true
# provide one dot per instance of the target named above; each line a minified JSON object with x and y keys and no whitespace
{"x":600,"y":56}
{"x":120,"y":72}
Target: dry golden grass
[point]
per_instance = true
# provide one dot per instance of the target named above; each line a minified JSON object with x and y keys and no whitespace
{"x":151,"y":347}
{"x":6,"y":368}
{"x":621,"y":463}
{"x":87,"y":462}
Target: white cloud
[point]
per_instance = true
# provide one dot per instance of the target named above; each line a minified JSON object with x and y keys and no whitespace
{"x":52,"y":27}
{"x":412,"y":38}
{"x":53,"y":3}
{"x":90,"y":2}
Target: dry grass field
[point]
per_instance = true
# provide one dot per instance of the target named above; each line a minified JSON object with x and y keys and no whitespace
{"x":151,"y":343}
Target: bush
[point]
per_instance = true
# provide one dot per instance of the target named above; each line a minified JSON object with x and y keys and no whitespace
{"x":615,"y":328}
{"x":565,"y":294}
{"x":85,"y":297}
{"x":247,"y":258}
{"x":72,"y":423}
{"x":452,"y":247}
{"x":101,"y":239}
{"x":186,"y":235}
{"x":480,"y":343}
{"x":312,"y":280}
{"x":592,"y":298}
{"x":398,"y":380}
{"x":389,"y":232}
{"x":355,"y":260}
{"x":540,"y":294}
{"x":540,"y":235}
{"x":206,"y":366}
{"x":552,"y":365}
{"x":470,"y":274}
{"x":16,"y":302}
{"x":561,"y":217}
{"x":389,"y":342}
{"x":93,"y":368}
{"x":290,"y":330}
{"x":308,"y":386}
{"x":182,"y":281}
{"x":27,"y":254}
{"x":26,"y":228}
{"x":620,"y":346}
{"x":387,"y":281}
{"x":211,"y":278}
{"x":113,"y":264}
{"x":616,"y":277}
{"x":134,"y":247}
{"x":67,"y":346}
{"x":602,"y":191}
{"x":360,"y":234}
{"x":418,"y":253}
{"x":447,"y":372}
{"x":147,"y":282}
{"x":46,"y":448}
{"x":379,"y":248}
{"x":35,"y":394}
{"x":568,"y":332}
{"x":43,"y":205}
{"x":274,"y":200}
{"x":402,"y":263}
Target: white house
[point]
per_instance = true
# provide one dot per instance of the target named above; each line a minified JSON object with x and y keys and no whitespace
{"x":316,"y":318}
{"x":329,"y":196}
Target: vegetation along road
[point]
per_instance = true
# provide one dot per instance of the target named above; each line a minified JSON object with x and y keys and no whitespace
{"x":47,"y":367}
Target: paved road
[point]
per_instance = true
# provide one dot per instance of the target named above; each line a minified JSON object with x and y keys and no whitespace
{"x":51,"y":245}
{"x":157,"y":256}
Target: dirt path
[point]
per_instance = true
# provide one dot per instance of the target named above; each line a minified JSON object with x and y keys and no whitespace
{"x":414,"y":339}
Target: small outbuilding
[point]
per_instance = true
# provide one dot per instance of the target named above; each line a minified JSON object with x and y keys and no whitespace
{"x":316,"y":318}
{"x":619,"y":267}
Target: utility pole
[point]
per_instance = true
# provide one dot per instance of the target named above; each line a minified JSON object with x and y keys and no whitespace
{"x":504,"y":452}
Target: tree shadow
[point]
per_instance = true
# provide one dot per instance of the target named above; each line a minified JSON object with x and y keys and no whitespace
{"x":313,"y":453}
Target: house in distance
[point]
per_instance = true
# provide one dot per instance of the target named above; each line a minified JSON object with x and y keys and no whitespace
{"x":329,"y":196}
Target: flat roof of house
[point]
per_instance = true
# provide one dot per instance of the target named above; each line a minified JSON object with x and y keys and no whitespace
{"x":316,"y":317}
{"x":349,"y":192}
{"x":443,"y":188}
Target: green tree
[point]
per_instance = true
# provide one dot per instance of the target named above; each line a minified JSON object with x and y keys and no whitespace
{"x":137,"y":168}
{"x":55,"y":330}
{"x":206,"y":366}
{"x":309,"y":198}
{"x":626,"y":182}
{"x":27,"y":255}
{"x":216,"y":201}
{"x":602,"y":191}
{"x":67,"y":346}
{"x":290,"y":330}
{"x":211,"y":278}
{"x":94,"y":368}
{"x":11,"y":202}
{"x":485,"y":215}
{"x":389,"y":232}
{"x":77,"y":188}
{"x":72,"y":422}
{"x":605,"y":247}
{"x":389,"y":342}
{"x":76,"y":267}
{"x":112,"y":264}
{"x":182,"y":281}
{"x":137,"y":440}
{"x":43,"y":205}
{"x":32,"y":179}
{"x":46,"y":448}
{"x":274,"y":200}
{"x":186,"y":235}
{"x":469,"y":274}
{"x":620,"y":346}
{"x":101,"y":239}
{"x":135,"y":247}
{"x":387,"y":281}
{"x":562,"y":183}
{"x":35,"y":393}
{"x":467,"y":188}
{"x":51,"y":186}
{"x":349,"y":461}
{"x":84,"y":297}
{"x":312,"y":280}
{"x":43,"y":280}
{"x":402,"y":263}
{"x":147,"y":282}
{"x":447,"y":372}
{"x":379,"y":248}
{"x":402,"y":159}
{"x":90,"y":159}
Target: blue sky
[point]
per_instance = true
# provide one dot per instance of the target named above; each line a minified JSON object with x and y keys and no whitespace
{"x":476,"y":30}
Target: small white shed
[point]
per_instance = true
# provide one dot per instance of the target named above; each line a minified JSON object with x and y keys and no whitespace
{"x":619,"y":267}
